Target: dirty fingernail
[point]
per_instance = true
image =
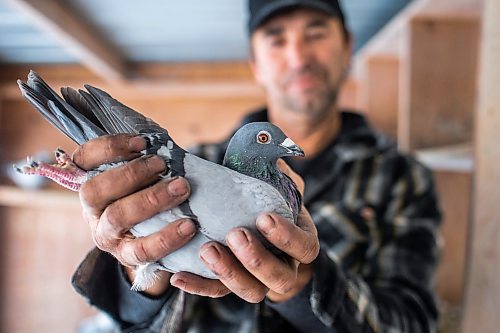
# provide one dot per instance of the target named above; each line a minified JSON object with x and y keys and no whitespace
{"x":210,"y":255}
{"x":179,"y":283}
{"x":136,"y":143}
{"x":237,"y":238}
{"x":155,"y":163}
{"x":265,"y":223}
{"x":186,"y":228}
{"x":178,"y":187}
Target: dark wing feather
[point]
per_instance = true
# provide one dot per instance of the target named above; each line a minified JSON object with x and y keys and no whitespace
{"x":78,"y":102}
{"x":57,"y":111}
{"x":120,"y":117}
{"x":41,"y":104}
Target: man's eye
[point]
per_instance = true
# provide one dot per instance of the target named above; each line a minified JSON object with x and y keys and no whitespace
{"x":276,"y":42}
{"x":316,"y":34}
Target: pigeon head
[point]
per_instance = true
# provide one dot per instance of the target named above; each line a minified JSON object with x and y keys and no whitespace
{"x":259,"y":143}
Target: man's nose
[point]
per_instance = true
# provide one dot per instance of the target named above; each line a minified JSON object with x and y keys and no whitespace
{"x":298,"y":53}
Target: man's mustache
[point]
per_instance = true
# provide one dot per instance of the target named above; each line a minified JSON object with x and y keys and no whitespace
{"x":313,"y":70}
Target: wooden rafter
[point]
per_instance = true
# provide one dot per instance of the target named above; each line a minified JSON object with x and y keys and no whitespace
{"x":76,"y":35}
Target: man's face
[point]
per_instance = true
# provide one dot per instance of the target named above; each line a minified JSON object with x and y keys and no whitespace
{"x":300,"y":58}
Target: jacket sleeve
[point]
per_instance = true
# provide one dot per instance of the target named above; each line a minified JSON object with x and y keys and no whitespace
{"x":391,"y":288}
{"x":101,"y":281}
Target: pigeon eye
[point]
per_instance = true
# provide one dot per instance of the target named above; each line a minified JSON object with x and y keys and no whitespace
{"x":263,"y":137}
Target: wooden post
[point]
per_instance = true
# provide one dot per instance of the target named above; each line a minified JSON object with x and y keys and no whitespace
{"x":483,"y":283}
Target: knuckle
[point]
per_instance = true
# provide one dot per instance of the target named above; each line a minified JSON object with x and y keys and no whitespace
{"x":165,"y":243}
{"x":311,"y":251}
{"x":89,"y":193}
{"x":79,"y":156}
{"x":225,"y":273}
{"x":253,"y":296}
{"x":255,"y":263}
{"x":133,"y":253}
{"x":152,"y":197}
{"x":113,"y":146}
{"x":286,"y":243}
{"x":140,"y":253}
{"x":130,"y":172}
{"x":221,"y":291}
{"x":284,"y":285}
{"x":114,"y":215}
{"x":103,"y":243}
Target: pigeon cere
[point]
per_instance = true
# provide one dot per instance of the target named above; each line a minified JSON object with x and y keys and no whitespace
{"x":222,"y":196}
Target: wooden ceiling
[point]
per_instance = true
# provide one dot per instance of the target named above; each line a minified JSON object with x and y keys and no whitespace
{"x":110,"y":37}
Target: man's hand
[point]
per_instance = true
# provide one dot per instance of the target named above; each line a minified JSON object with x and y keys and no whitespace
{"x":116,"y":200}
{"x":250,"y":270}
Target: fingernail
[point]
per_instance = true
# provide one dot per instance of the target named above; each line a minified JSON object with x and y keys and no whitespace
{"x":136,"y":143}
{"x":181,"y":284}
{"x":155,"y":163}
{"x":186,"y":228}
{"x":237,"y":238}
{"x":265,"y":223}
{"x":210,"y":255}
{"x":178,"y":187}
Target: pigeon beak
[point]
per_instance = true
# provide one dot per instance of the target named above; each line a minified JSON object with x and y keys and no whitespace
{"x":291,"y":148}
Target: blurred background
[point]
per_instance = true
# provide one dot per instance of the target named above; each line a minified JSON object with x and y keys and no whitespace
{"x":423,"y":71}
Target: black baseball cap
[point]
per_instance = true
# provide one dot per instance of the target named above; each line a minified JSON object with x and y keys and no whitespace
{"x":261,"y":10}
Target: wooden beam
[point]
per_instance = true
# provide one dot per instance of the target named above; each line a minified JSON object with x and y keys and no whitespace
{"x":76,"y":35}
{"x":158,"y":81}
{"x":483,"y":282}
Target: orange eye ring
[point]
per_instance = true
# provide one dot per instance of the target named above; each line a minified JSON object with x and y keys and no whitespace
{"x":263,"y":137}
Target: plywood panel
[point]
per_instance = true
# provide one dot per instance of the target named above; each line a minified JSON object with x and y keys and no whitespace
{"x":442,"y":74}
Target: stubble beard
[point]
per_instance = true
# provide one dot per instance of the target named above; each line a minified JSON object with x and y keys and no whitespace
{"x":316,"y":105}
{"x":313,"y":104}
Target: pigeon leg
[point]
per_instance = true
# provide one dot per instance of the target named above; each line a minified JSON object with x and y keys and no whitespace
{"x":65,"y":172}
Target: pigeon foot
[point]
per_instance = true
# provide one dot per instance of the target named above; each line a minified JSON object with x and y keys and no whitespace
{"x":65,"y":172}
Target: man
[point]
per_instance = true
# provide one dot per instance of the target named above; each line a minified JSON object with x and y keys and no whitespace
{"x":373,"y":211}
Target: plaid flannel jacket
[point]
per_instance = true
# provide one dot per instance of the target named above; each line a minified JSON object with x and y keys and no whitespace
{"x":378,"y":221}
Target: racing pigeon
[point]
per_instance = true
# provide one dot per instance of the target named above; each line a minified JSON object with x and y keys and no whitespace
{"x":222,"y":196}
